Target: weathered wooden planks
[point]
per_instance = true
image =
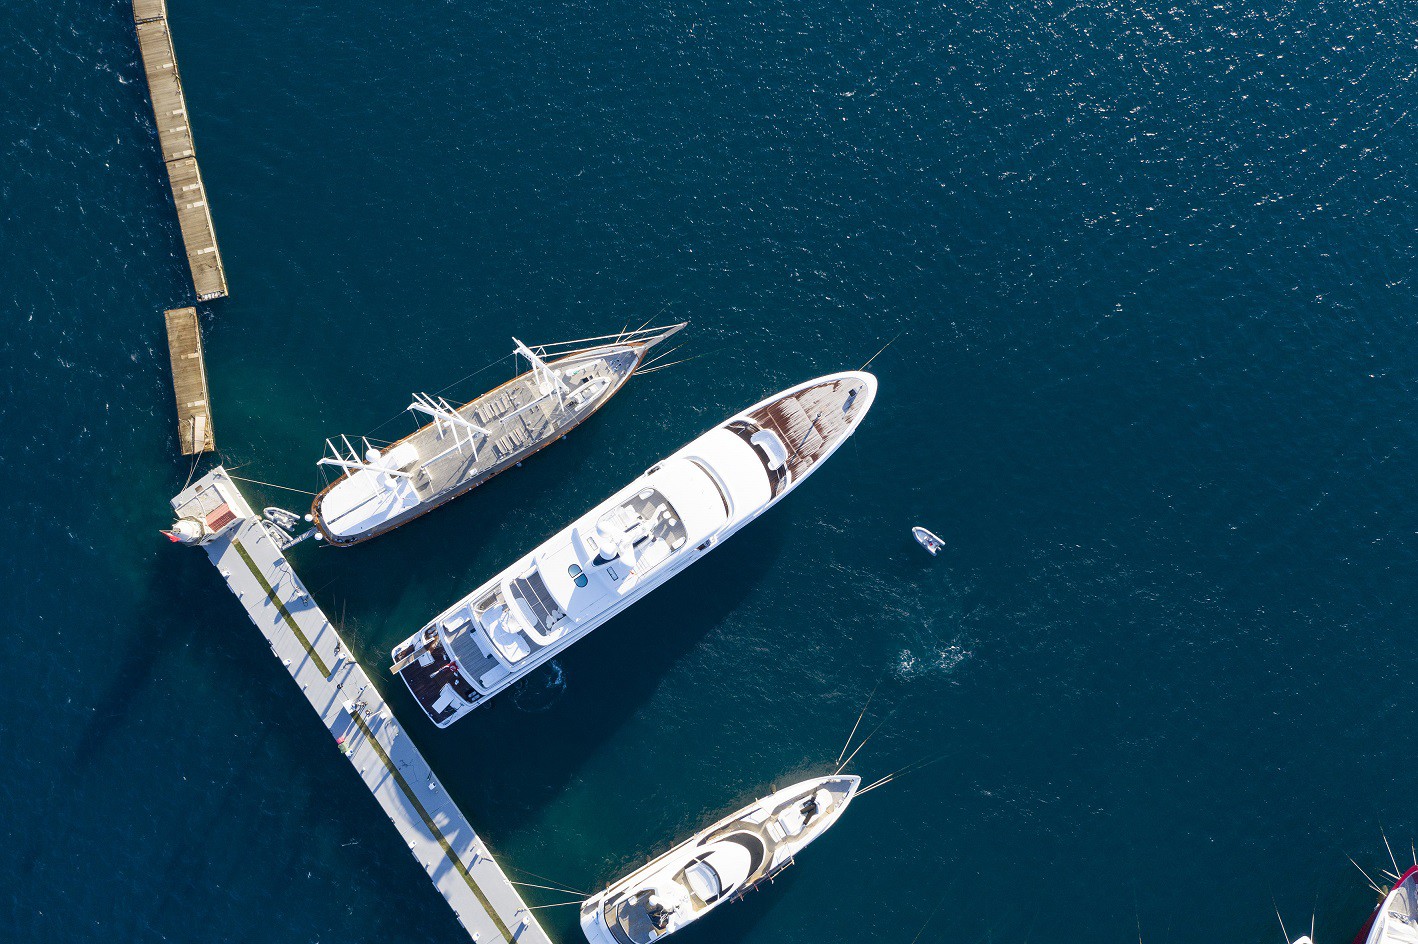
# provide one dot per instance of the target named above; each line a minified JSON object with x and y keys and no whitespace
{"x":144,"y":10}
{"x":175,"y":140}
{"x":189,"y":382}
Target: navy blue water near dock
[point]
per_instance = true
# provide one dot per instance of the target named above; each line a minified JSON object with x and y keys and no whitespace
{"x":1154,"y":265}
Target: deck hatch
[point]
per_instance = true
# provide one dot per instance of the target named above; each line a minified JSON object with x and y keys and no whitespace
{"x":532,"y":590}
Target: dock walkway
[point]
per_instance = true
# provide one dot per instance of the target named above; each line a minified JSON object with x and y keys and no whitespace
{"x":194,"y":217}
{"x":189,"y":381}
{"x":350,"y":707}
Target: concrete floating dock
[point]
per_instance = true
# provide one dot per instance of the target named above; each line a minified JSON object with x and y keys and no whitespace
{"x":189,"y":381}
{"x":361,"y":723}
{"x":175,"y":137}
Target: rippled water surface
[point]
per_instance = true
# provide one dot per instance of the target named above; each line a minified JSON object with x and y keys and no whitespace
{"x":1151,"y":267}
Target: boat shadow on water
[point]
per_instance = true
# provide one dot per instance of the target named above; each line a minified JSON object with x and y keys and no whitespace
{"x":571,"y":707}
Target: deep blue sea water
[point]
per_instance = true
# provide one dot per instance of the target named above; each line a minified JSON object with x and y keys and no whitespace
{"x":1152,"y":269}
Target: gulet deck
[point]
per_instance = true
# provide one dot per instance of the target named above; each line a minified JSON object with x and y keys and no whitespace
{"x":517,"y":419}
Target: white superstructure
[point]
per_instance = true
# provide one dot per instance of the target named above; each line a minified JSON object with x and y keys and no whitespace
{"x":627,"y":545}
{"x":718,"y":864}
{"x":461,"y":446}
{"x":1395,"y":920}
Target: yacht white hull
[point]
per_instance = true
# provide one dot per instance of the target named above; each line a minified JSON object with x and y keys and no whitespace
{"x":625,"y":547}
{"x":719,"y":864}
{"x":1395,"y":920}
{"x":466,"y":446}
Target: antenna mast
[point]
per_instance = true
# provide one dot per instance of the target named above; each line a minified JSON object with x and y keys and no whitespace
{"x":547,"y":379}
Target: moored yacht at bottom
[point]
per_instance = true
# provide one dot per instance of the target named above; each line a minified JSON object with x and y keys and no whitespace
{"x":1395,"y":919}
{"x":628,"y":545}
{"x":715,"y":865}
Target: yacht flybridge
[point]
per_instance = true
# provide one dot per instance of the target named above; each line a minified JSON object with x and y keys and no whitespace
{"x":628,"y":545}
{"x":719,"y":864}
{"x":462,"y":447}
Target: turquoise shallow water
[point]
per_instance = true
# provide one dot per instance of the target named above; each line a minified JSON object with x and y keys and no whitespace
{"x":1154,"y":268}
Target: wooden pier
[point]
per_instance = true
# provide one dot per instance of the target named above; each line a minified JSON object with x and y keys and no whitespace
{"x":189,"y":381}
{"x":194,"y":217}
{"x":361,"y":724}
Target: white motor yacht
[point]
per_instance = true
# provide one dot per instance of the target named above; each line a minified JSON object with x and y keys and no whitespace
{"x":1395,"y":920}
{"x":628,"y":545}
{"x":718,"y":864}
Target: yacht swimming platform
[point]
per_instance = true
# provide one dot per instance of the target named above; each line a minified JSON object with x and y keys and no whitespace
{"x":213,"y":513}
{"x":189,"y":194}
{"x":189,"y":381}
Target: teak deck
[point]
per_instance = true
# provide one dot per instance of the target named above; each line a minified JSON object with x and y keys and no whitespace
{"x":175,"y":139}
{"x":189,"y":381}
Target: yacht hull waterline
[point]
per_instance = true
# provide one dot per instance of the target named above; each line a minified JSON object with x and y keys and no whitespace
{"x":719,"y":864}
{"x":629,"y":544}
{"x":463,"y":446}
{"x":1395,"y":918}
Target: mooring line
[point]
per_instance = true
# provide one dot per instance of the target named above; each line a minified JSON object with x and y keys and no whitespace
{"x":268,"y":484}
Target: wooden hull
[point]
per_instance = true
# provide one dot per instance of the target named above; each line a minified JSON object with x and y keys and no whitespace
{"x":442,"y":498}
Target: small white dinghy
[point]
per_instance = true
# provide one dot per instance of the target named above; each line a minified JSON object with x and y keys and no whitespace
{"x":927,"y":539}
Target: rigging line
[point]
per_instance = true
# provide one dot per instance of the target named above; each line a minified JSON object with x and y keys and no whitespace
{"x":624,"y":335}
{"x":883,"y":721}
{"x":883,"y":348}
{"x":269,"y":484}
{"x":1365,"y":874}
{"x":876,"y":783}
{"x":475,"y":373}
{"x":663,"y":366}
{"x":859,"y":747}
{"x":1391,"y":858}
{"x":543,"y":878}
{"x":550,"y":888}
{"x":662,"y":355}
{"x":908,"y":769}
{"x":931,"y":917}
{"x":859,"y":721}
{"x":445,"y":390}
{"x":921,"y":764}
{"x":672,"y":364}
{"x":192,"y":469}
{"x":559,"y":904}
{"x":1278,"y":918}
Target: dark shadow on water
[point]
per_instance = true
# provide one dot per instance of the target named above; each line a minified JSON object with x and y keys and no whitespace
{"x":518,"y":753}
{"x":162,"y":622}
